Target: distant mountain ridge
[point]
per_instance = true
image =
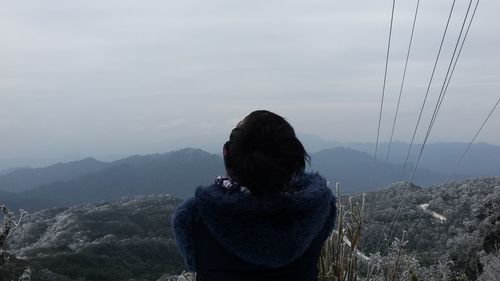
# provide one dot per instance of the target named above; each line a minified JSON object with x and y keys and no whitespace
{"x":27,"y":178}
{"x":23,"y":179}
{"x":10,"y":170}
{"x":482,"y":159}
{"x":176,"y":173}
{"x":354,"y":170}
{"x":180,"y":172}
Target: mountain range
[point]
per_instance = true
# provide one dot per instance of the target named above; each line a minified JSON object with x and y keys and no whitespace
{"x":178,"y":173}
{"x":354,"y":170}
{"x":482,"y":159}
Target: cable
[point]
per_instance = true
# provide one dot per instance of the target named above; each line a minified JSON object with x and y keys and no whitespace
{"x":399,"y":98}
{"x":442,"y":92}
{"x":471,"y":142}
{"x":459,"y":52}
{"x":442,"y":89}
{"x":428,"y":88}
{"x":402,"y":81}
{"x":422,"y":109}
{"x":383,"y":87}
{"x":439,"y":104}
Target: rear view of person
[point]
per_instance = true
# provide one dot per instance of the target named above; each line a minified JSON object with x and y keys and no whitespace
{"x":266,"y":219}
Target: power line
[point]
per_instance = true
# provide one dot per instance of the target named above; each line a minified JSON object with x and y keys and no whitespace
{"x":428,"y":88}
{"x":471,"y":142}
{"x":383,"y":87}
{"x":442,"y":93}
{"x":402,"y":81}
{"x":421,"y":111}
{"x":439,"y":104}
{"x":383,"y":93}
{"x":459,"y":51}
{"x":448,"y":74}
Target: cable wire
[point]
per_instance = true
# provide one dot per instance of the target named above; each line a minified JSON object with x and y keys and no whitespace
{"x":471,"y":142}
{"x":402,"y":81}
{"x":445,"y":82}
{"x":442,"y":93}
{"x":459,"y":51}
{"x":383,"y":87}
{"x":400,"y":94}
{"x":421,"y":111}
{"x":428,"y":88}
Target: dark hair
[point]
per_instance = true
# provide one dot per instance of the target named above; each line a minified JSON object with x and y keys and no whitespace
{"x":263,"y":153}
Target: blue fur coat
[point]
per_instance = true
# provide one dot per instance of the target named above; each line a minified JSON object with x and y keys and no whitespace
{"x":226,"y":235}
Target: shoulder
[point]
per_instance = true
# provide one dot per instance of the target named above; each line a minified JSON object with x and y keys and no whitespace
{"x":188,"y":210}
{"x":185,"y":212}
{"x":182,"y":222}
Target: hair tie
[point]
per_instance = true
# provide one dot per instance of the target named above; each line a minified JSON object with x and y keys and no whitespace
{"x":229,"y":185}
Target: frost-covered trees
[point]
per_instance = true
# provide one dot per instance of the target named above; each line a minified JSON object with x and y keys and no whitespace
{"x":8,"y":226}
{"x":491,"y":266}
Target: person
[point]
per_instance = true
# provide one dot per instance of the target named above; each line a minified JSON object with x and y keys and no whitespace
{"x":267,"y":219}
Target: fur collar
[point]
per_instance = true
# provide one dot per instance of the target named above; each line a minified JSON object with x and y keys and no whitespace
{"x":271,"y":230}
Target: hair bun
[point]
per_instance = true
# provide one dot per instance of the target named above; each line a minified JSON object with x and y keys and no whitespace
{"x":263,"y":153}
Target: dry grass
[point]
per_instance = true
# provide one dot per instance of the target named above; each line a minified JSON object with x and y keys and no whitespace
{"x":342,"y":258}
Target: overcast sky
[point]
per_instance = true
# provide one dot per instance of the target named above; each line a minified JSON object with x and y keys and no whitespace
{"x":96,"y":78}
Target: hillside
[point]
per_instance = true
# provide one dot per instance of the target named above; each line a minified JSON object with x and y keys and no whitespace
{"x":452,"y":222}
{"x":127,"y":239}
{"x":131,"y":237}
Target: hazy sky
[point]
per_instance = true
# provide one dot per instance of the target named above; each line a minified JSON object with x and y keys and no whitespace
{"x":99,"y":77}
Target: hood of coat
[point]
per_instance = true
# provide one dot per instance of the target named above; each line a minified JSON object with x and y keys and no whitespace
{"x":271,"y":230}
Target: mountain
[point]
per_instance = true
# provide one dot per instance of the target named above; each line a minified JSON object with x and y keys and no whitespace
{"x":22,"y":179}
{"x":177,"y":173}
{"x":126,"y":239}
{"x":481,"y":160}
{"x":10,"y":170}
{"x":354,"y":170}
{"x":180,"y":172}
{"x":315,"y":143}
{"x":8,"y":196}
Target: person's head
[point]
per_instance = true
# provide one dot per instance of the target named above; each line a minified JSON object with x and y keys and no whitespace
{"x":263,"y":153}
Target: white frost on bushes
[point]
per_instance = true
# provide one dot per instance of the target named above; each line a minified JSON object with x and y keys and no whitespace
{"x":65,"y":227}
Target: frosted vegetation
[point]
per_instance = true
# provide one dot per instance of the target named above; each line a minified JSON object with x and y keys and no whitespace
{"x":7,"y":228}
{"x":126,"y":239}
{"x":455,"y":236}
{"x":396,"y":233}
